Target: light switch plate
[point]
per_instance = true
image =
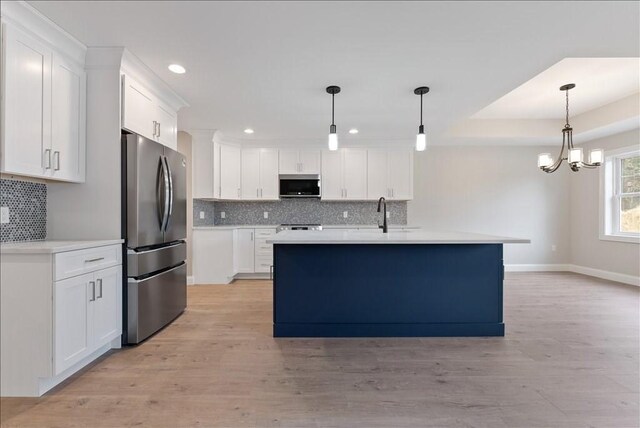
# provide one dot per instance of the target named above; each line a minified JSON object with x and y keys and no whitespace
{"x":222,"y":215}
{"x":4,"y":215}
{"x":266,"y":214}
{"x":201,"y":214}
{"x":345,"y":214}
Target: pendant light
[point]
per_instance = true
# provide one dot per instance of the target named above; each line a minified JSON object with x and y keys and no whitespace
{"x":333,"y":136}
{"x":574,"y":154}
{"x":421,"y":138}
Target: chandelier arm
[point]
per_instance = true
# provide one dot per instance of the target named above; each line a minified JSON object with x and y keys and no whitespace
{"x":554,"y":167}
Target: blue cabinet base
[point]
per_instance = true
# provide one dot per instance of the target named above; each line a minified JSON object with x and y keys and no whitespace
{"x":387,"y":290}
{"x":388,"y":330}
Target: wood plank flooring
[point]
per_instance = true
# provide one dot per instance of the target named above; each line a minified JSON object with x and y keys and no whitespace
{"x":570,"y":359}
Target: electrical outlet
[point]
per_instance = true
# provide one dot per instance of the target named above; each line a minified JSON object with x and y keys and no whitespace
{"x":345,"y":214}
{"x":222,"y":215}
{"x":553,"y":247}
{"x":266,"y":214}
{"x":201,"y":214}
{"x":4,"y":217}
{"x":388,"y":214}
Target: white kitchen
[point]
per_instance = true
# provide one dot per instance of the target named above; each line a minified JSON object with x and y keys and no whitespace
{"x":320,"y":214}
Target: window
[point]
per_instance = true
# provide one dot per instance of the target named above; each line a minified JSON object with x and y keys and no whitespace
{"x":621,"y":195}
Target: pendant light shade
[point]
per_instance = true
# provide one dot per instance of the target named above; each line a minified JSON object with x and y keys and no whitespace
{"x":421,"y":138}
{"x":333,"y":135}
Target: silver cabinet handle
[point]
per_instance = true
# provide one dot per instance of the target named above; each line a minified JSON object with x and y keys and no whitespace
{"x":346,"y":193}
{"x":93,"y":291}
{"x":257,"y":192}
{"x":47,"y":158}
{"x":159,"y":129}
{"x":393,"y":192}
{"x":99,"y":280}
{"x":238,"y":192}
{"x":155,"y":127}
{"x":56,"y":161}
{"x":271,"y":272}
{"x":261,"y":192}
{"x":97,"y":259}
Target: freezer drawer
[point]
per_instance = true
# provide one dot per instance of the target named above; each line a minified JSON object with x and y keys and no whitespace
{"x":154,"y":302}
{"x":148,"y":261}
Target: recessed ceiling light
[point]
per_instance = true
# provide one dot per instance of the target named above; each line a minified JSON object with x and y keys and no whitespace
{"x":248,"y":131}
{"x":177,"y":68}
{"x":353,"y":131}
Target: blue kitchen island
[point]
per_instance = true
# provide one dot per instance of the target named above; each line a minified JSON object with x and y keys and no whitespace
{"x":401,"y":284}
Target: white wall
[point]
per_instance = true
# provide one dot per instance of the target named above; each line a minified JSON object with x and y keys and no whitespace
{"x":587,"y":249}
{"x":498,"y":191}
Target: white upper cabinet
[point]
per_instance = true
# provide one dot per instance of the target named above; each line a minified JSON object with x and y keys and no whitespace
{"x":68,"y":127}
{"x":390,"y":174}
{"x":299,"y":161}
{"x":344,"y":174}
{"x":260,"y":174}
{"x":203,"y":157}
{"x":145,"y":114}
{"x":230,"y":172}
{"x":43,"y":109}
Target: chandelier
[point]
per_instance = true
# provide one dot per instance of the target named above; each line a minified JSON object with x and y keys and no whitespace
{"x":574,"y":154}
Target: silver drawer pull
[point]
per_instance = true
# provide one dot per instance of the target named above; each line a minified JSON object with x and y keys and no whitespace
{"x":94,"y":260}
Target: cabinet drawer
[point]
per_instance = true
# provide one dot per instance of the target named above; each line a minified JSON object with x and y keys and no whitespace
{"x":263,"y":264}
{"x":264,"y":250}
{"x":265,"y":232}
{"x":73,"y":263}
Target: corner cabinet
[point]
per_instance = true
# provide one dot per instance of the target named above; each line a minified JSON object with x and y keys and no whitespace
{"x":144,"y":113}
{"x":43,"y":108}
{"x":59,"y":311}
{"x":260,"y":174}
{"x":390,"y":174}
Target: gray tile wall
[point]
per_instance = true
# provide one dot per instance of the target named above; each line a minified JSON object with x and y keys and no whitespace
{"x":27,"y":204}
{"x":294,"y":211}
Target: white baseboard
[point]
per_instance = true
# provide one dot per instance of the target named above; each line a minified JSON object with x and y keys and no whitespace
{"x":598,"y":273}
{"x":190,"y":280}
{"x":605,"y":274}
{"x":537,"y":268}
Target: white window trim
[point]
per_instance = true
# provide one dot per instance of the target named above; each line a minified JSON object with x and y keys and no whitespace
{"x":608,"y":224}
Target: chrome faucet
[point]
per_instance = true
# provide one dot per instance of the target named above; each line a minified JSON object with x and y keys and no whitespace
{"x":383,"y":226}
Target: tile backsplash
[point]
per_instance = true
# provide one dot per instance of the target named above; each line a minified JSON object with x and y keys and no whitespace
{"x":27,"y":203}
{"x":294,"y":211}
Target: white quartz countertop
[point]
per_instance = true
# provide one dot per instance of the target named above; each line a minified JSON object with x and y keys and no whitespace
{"x":393,"y":237}
{"x":324,"y":226}
{"x":51,"y":247}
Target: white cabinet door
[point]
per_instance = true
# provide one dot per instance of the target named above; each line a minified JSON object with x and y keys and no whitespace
{"x":230,"y":167}
{"x":331,"y":180}
{"x":167,"y":133}
{"x":355,"y":173}
{"x":250,"y":174}
{"x":68,"y":125}
{"x":245,"y":250}
{"x":377,"y":177}
{"x":139,"y":108}
{"x":107,"y":312}
{"x":269,"y":183}
{"x":289,"y":161}
{"x":400,"y":167}
{"x":213,"y":256}
{"x":309,"y":161}
{"x":73,"y":306}
{"x":26,"y":143}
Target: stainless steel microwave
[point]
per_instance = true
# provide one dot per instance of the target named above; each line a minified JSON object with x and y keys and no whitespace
{"x":299,"y":186}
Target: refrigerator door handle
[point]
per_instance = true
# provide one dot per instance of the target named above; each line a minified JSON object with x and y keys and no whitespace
{"x":162,"y":194}
{"x":170,"y":198}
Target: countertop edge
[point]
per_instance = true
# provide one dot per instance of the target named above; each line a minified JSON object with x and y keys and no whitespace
{"x":53,"y":247}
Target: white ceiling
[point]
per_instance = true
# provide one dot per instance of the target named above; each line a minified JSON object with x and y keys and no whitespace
{"x":265,"y":64}
{"x":598,"y":81}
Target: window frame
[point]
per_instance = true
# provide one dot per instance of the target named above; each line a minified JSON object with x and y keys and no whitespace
{"x":611,"y":196}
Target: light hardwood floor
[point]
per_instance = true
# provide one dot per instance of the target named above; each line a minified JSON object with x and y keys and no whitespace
{"x":569,"y":359}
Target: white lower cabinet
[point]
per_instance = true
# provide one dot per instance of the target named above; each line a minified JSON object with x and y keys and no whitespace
{"x":54,"y":319}
{"x":244,"y":251}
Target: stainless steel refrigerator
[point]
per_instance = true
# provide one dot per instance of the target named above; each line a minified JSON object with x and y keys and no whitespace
{"x":154,"y":223}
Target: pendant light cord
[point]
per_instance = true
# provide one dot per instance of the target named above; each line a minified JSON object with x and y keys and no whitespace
{"x":420,"y":109}
{"x":332,"y":109}
{"x":567,"y":110}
